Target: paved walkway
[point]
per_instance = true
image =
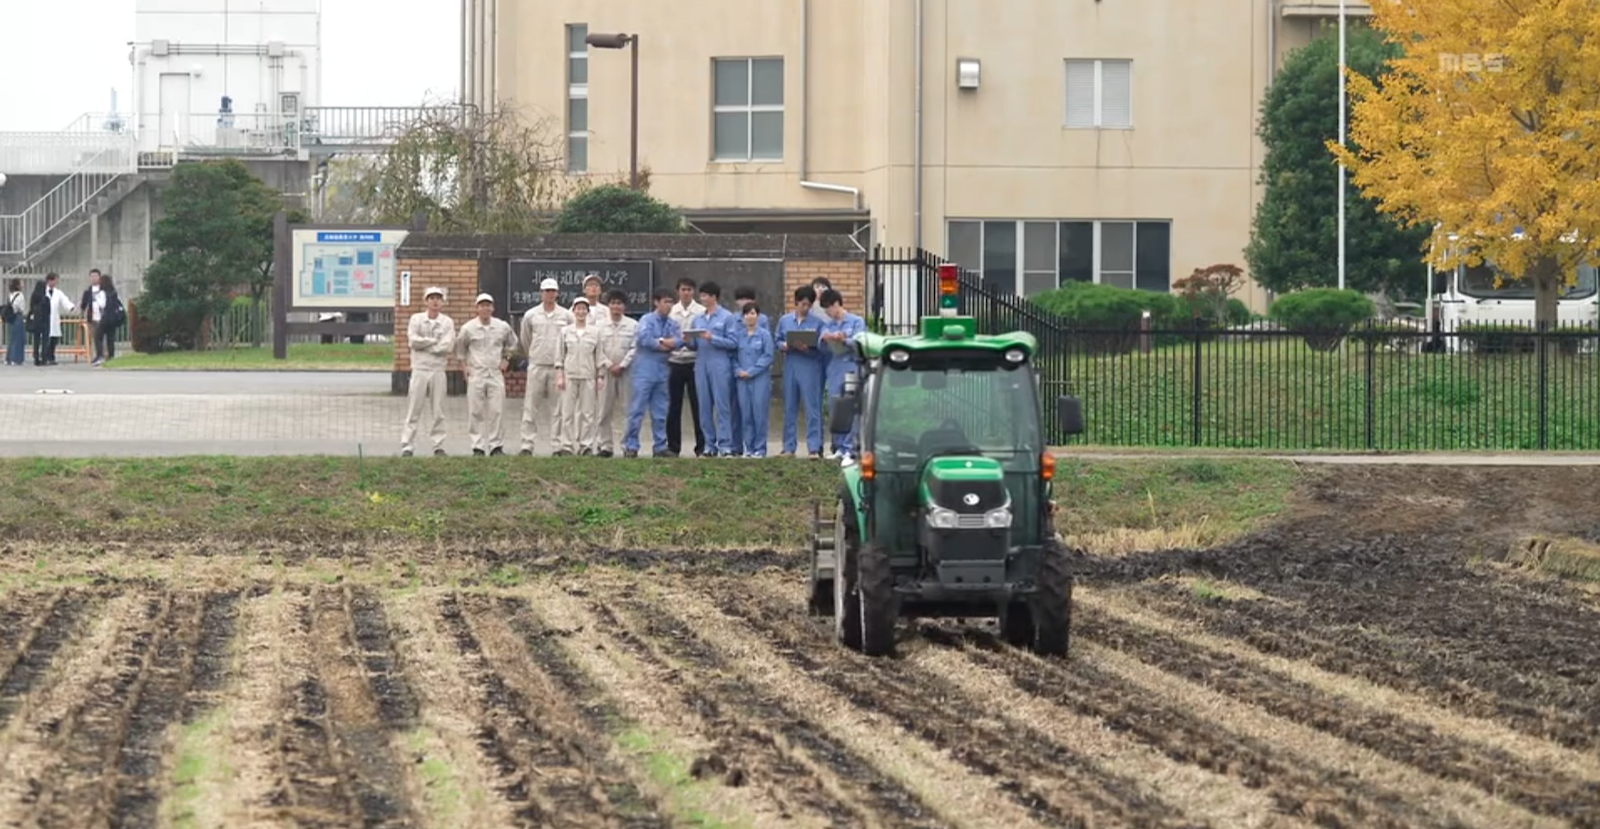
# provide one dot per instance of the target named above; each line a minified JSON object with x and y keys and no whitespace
{"x":76,"y":411}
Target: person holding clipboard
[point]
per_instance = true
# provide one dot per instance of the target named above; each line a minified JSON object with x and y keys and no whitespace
{"x":841,"y":327}
{"x":798,"y":340}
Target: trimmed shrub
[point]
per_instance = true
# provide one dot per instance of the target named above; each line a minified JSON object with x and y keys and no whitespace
{"x":1323,"y":316}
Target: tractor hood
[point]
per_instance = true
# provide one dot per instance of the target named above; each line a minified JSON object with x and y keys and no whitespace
{"x":965,"y":492}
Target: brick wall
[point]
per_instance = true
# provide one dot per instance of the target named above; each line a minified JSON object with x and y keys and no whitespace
{"x":459,"y":279}
{"x":848,"y":277}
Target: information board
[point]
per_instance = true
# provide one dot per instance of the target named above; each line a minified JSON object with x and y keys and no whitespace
{"x":523,"y":277}
{"x":345,"y":268}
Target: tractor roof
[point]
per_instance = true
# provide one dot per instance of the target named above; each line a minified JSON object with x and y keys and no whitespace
{"x":946,"y":333}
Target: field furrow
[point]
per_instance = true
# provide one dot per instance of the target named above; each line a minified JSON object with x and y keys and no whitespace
{"x":90,"y":787}
{"x":742,"y":767}
{"x":45,"y":721}
{"x":1546,"y":699}
{"x":556,"y":684}
{"x":462,"y":778}
{"x":860,"y":775}
{"x":34,"y":630}
{"x":545,"y":769}
{"x":1541,"y":790}
{"x":365,"y":709}
{"x":1308,"y":772}
{"x":312,"y":787}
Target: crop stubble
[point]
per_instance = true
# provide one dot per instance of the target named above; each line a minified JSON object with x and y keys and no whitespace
{"x":96,"y":682}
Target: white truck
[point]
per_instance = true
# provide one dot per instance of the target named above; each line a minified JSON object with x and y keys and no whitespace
{"x":1468,"y":296}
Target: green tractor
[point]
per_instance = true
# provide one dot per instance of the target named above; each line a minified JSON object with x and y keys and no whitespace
{"x":946,"y":511}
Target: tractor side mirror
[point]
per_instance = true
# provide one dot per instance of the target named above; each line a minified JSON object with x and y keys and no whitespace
{"x":1069,"y":414}
{"x":1441,"y":282}
{"x":843,"y":414}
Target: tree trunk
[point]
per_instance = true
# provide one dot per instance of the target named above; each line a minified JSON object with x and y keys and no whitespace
{"x":1547,"y":284}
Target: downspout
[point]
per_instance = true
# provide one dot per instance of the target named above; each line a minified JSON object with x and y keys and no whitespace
{"x":917,"y":163}
{"x":1272,"y":40}
{"x":805,"y":109}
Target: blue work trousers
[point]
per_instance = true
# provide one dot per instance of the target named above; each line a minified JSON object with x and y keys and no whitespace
{"x":755,"y":400}
{"x":802,"y":383}
{"x":843,"y":442}
{"x":648,"y":392}
{"x":713,"y":381}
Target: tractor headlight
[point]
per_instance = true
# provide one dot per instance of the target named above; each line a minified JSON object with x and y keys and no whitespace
{"x":1015,"y":355}
{"x":997,"y":519}
{"x":940,"y":518}
{"x":899,"y":356}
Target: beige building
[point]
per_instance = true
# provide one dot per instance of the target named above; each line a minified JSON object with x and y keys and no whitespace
{"x":1041,"y":141}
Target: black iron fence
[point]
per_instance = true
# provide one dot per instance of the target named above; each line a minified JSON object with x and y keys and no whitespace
{"x":1379,"y":386}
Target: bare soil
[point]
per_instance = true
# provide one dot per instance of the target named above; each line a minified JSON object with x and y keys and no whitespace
{"x":1372,"y":663}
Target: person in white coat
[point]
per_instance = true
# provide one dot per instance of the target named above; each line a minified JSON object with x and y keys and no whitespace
{"x":617,"y":348}
{"x":49,"y":306}
{"x":431,"y":335}
{"x":484,"y":345}
{"x":581,"y":374}
{"x":540,"y":336}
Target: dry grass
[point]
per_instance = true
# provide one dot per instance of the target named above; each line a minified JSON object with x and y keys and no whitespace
{"x":1561,"y":556}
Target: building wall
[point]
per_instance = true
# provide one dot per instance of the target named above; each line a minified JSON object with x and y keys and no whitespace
{"x":251,"y":52}
{"x":1002,"y":151}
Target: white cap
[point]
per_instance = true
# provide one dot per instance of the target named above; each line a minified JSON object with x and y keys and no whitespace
{"x":583,"y":300}
{"x":593,"y":276}
{"x":434,"y":290}
{"x":483,"y":298}
{"x":549,"y":285}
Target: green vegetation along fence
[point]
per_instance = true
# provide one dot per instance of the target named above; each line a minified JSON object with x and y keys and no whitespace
{"x":1377,"y":387}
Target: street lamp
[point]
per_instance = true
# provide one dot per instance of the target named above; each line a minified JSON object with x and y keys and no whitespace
{"x":1343,"y":129}
{"x":617,"y":41}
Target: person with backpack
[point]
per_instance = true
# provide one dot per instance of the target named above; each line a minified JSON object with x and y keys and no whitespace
{"x":103,"y":311}
{"x":13,"y":313}
{"x":48,"y":306}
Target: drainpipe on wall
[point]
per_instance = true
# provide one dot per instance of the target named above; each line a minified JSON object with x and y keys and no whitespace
{"x":1272,"y":40}
{"x":917,"y":163}
{"x":805,"y":109}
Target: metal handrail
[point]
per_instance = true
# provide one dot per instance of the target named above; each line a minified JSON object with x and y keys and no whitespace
{"x":21,"y":233}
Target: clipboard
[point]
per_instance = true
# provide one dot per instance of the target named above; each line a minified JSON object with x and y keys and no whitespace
{"x":693,"y":332}
{"x":801,"y":336}
{"x":839,"y":346}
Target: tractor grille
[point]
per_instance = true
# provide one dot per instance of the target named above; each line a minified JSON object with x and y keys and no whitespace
{"x":953,"y":495}
{"x":969,"y":521}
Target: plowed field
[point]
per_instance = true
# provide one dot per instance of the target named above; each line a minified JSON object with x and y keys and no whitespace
{"x":1336,"y":669}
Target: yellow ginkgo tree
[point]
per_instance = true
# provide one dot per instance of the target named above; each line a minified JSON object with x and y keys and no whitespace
{"x":1487,"y":128}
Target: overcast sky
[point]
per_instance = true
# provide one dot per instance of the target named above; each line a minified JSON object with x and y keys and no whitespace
{"x":59,"y":60}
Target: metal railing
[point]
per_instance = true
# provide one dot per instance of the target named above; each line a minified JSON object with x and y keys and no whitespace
{"x":21,"y":234}
{"x":59,"y":153}
{"x":1392,"y":386}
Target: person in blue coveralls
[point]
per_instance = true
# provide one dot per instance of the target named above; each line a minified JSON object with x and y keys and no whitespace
{"x":802,"y":373}
{"x":743,"y":297}
{"x":753,"y":380}
{"x":657,"y":337}
{"x":713,"y":369}
{"x":840,"y":328}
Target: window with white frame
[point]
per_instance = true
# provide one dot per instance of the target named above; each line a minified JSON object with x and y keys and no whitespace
{"x":747,"y":109}
{"x":1100,"y":94}
{"x":577,"y":98}
{"x":1028,"y":257}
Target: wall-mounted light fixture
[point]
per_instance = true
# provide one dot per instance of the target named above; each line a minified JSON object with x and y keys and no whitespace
{"x":967,"y":70}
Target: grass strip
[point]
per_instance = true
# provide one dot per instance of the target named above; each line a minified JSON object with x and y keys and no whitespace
{"x":567,"y":503}
{"x":302,"y":357}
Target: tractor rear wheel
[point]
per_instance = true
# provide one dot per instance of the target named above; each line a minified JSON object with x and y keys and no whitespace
{"x":846,"y":590}
{"x":1051,"y":606}
{"x":879,"y":611}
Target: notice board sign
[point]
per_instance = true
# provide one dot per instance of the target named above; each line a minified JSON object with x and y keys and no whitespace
{"x":636,"y":277}
{"x":344,"y":268}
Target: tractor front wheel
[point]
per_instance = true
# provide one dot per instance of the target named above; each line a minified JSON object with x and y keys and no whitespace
{"x":875,"y":585}
{"x":1051,"y":607}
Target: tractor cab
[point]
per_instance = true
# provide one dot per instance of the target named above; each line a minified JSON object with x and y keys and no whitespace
{"x":946,"y":512}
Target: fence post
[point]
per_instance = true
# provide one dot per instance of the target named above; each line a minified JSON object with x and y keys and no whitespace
{"x":1372,"y":386}
{"x":1544,"y":339}
{"x":1195,"y":380}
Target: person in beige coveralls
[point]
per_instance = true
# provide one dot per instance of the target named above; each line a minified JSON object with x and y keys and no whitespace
{"x":582,"y":372}
{"x":432,"y":337}
{"x":617,"y":348}
{"x":485,"y":346}
{"x":541,"y":342}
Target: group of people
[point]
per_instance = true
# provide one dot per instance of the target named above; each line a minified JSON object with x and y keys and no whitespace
{"x":587,"y":362}
{"x":41,"y":314}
